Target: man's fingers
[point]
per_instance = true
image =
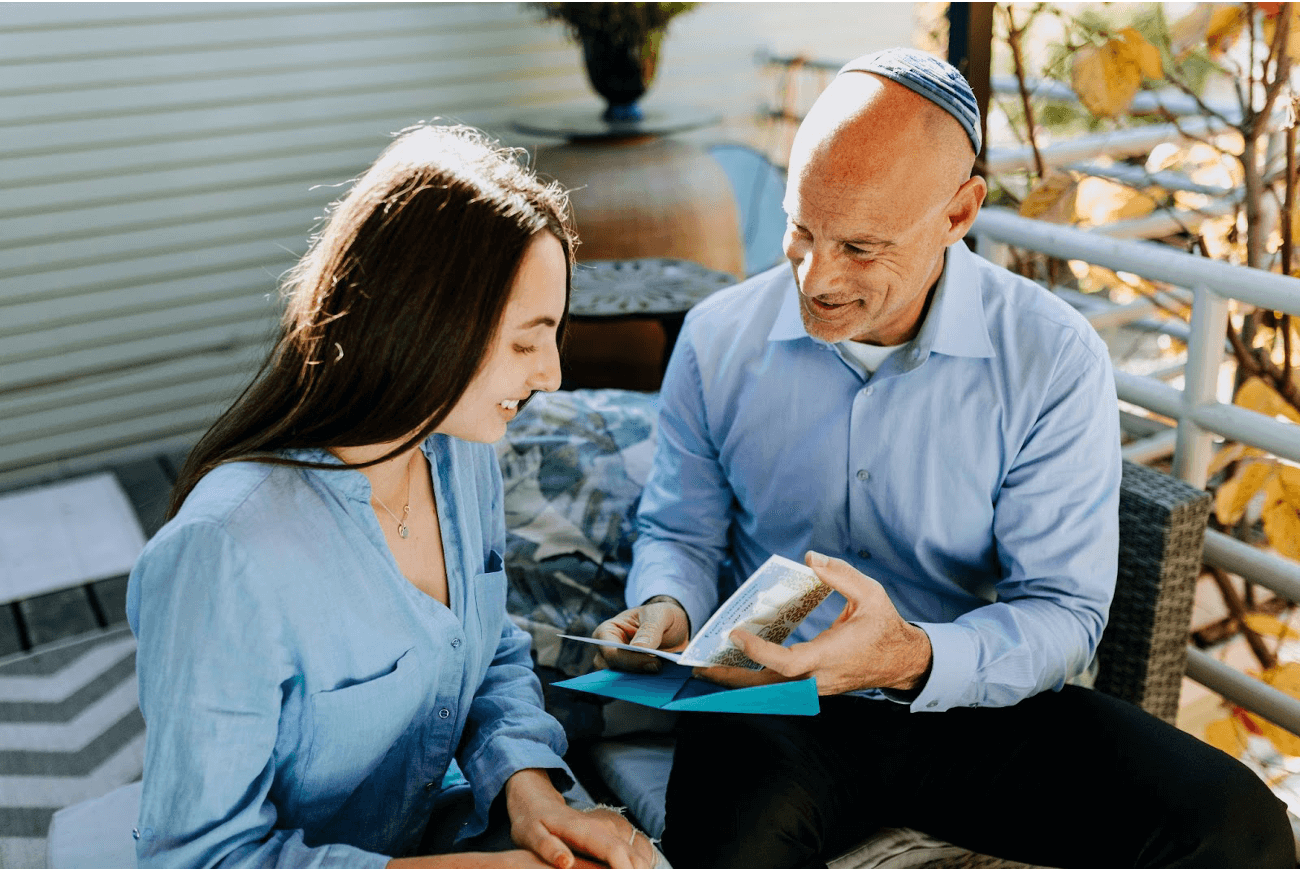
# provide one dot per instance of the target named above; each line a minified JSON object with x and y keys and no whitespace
{"x":736,"y":678}
{"x":790,"y":662}
{"x":617,"y":629}
{"x":839,"y":575}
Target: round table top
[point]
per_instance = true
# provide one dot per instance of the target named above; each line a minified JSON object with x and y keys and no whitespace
{"x":571,"y":124}
{"x":648,"y":286}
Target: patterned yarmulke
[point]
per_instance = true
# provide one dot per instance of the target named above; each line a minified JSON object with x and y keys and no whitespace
{"x":936,"y":80}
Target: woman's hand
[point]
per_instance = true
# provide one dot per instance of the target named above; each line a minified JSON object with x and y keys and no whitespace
{"x":542,"y":822}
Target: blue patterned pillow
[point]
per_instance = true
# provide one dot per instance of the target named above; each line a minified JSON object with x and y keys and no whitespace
{"x":574,"y":464}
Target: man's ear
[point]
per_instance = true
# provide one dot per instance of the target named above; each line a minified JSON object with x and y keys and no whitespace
{"x":964,"y":206}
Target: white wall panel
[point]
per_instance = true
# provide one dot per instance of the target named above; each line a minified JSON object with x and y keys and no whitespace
{"x":162,"y":164}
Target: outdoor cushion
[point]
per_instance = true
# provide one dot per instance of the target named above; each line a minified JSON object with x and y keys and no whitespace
{"x":573,"y":465}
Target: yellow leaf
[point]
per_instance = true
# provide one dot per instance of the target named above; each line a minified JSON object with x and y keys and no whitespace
{"x":1288,"y":478}
{"x":1226,"y":21}
{"x":1106,"y":78}
{"x":1281,"y":520}
{"x":1259,"y":396}
{"x":1233,"y":496}
{"x":1267,"y":625}
{"x":1284,"y":677}
{"x":1100,"y":201}
{"x":1226,"y":735}
{"x":1146,"y":54}
{"x":1052,"y":199}
{"x":1230,"y":454}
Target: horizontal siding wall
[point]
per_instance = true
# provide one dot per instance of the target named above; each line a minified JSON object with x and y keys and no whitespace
{"x":161,"y":165}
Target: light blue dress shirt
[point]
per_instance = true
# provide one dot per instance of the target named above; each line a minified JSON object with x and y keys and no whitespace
{"x":305,"y":704}
{"x":975,"y":475}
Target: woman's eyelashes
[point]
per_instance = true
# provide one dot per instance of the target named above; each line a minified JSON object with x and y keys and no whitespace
{"x":519,"y":348}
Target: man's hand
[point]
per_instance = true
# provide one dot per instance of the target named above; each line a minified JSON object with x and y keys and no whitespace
{"x":541,"y":822}
{"x":660,"y":623}
{"x":868,"y":646}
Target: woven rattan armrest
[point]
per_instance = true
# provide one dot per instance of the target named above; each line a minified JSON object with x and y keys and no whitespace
{"x":1143,"y":652}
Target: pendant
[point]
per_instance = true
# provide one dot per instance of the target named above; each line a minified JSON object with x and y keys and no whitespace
{"x":402,"y":529}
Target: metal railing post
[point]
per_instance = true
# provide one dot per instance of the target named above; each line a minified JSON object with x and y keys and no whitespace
{"x":1194,"y":445}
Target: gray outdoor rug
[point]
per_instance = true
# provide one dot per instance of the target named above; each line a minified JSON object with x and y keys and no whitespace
{"x":70,"y":729}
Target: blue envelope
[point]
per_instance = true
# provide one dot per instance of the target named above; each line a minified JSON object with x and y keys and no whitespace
{"x":674,"y":688}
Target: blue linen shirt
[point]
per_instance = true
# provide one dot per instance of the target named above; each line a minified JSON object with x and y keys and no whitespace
{"x":305,"y":704}
{"x":975,"y":475}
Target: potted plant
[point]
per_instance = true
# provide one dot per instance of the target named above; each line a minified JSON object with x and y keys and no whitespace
{"x":620,"y":45}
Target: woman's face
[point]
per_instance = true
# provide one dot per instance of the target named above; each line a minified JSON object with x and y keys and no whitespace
{"x":524,"y":357}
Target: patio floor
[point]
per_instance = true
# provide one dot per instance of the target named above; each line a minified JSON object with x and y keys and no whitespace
{"x":53,"y":617}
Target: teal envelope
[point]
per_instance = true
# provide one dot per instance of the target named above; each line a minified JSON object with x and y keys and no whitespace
{"x":674,"y":688}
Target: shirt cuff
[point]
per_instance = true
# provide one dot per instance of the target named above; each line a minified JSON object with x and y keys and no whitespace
{"x":952,"y":669}
{"x":509,"y":756}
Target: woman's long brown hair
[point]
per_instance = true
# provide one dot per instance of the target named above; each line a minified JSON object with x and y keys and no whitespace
{"x":391,"y":311}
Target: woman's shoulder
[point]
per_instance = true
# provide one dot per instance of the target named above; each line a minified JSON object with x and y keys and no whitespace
{"x":232,"y":498}
{"x":225,"y":490}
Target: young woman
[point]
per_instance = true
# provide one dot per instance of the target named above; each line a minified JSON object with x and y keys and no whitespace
{"x":326,"y":669}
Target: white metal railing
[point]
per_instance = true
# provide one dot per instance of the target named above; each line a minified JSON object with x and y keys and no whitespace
{"x":1199,"y":414}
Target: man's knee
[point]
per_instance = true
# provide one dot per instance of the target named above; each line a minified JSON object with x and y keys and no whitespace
{"x":1239,"y":823}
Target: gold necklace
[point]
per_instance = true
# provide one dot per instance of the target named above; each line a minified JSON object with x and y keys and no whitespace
{"x":402,"y":528}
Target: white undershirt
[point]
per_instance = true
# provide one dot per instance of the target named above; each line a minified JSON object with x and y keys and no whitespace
{"x":867,"y":356}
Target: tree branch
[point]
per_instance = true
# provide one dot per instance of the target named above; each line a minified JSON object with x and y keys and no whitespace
{"x":1013,"y":40}
{"x":1237,"y":608}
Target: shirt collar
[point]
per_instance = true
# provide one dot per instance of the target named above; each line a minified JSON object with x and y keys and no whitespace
{"x":349,"y":482}
{"x":955,"y":324}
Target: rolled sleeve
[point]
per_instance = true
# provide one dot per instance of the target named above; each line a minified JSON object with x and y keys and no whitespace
{"x":508,"y":729}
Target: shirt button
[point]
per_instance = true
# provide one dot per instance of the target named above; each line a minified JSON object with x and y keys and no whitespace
{"x":430,"y":786}
{"x":444,"y":713}
{"x":868,"y":391}
{"x":455,"y":644}
{"x":863,"y":554}
{"x":916,"y":353}
{"x":932,"y":704}
{"x":863,"y":474}
{"x":135,"y":833}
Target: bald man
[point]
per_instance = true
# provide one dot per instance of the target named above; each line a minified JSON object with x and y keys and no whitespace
{"x":938,"y":439}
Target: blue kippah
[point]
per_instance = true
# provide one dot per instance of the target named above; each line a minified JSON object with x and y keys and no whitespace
{"x":936,"y":80}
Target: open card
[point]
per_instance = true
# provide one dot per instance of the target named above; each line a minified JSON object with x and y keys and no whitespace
{"x":771,"y":604}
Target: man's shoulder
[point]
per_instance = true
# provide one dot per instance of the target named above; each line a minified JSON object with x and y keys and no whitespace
{"x":1012,"y":302}
{"x":744,"y":310}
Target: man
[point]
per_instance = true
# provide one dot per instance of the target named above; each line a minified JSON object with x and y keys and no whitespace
{"x":896,"y":408}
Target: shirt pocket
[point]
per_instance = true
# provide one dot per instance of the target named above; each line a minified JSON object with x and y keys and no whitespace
{"x":488,"y":589}
{"x":354,"y":727}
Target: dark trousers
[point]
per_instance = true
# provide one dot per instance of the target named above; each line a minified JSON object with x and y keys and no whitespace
{"x":1073,"y":778}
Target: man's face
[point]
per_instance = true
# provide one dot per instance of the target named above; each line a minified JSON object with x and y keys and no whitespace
{"x":870,"y":206}
{"x":865,"y":251}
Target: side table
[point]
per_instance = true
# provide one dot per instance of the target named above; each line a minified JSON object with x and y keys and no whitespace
{"x":657,"y":290}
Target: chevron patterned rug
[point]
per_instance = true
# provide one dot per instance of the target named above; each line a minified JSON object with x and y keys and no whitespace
{"x":70,"y":729}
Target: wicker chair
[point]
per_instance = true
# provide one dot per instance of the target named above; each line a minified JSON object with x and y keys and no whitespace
{"x":1141,"y":660}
